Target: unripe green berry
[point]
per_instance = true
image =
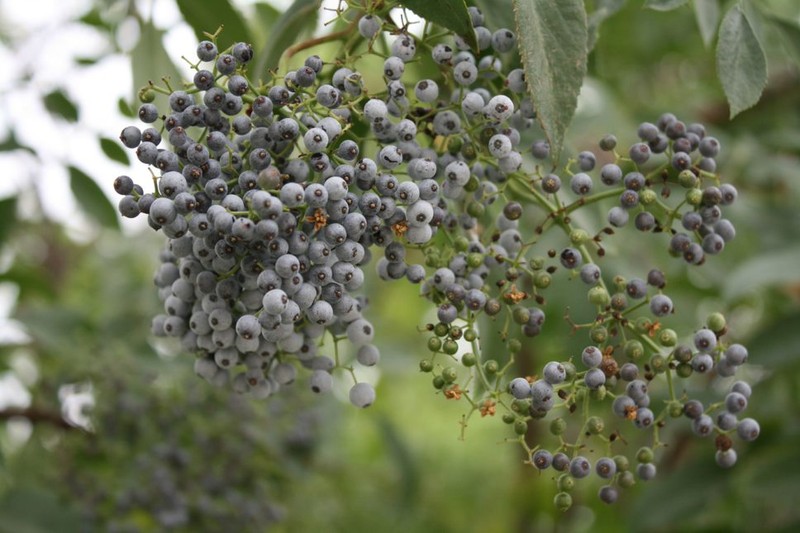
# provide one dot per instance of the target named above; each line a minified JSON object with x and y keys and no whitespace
{"x":541,"y":280}
{"x":438,"y":382}
{"x":675,"y":409}
{"x":565,"y":482}
{"x":520,"y":427}
{"x":622,"y":462}
{"x":461,"y":243}
{"x":146,"y":95}
{"x":470,"y":335}
{"x":562,"y":501}
{"x":647,"y":196}
{"x":684,"y":370}
{"x":474,"y":260}
{"x":455,"y":333}
{"x":432,"y":260}
{"x":521,"y":315}
{"x":579,"y":236}
{"x":626,"y":479}
{"x":469,"y":152}
{"x":598,"y":394}
{"x":694,"y":196}
{"x":716,"y":322}
{"x":514,"y":345}
{"x":520,"y":406}
{"x":434,"y":344}
{"x":598,"y":334}
{"x":449,"y":374}
{"x":667,"y":337}
{"x":426,"y":365}
{"x":658,"y":363}
{"x":491,"y":367}
{"x":687,"y":179}
{"x":450,"y":347}
{"x":643,"y":324}
{"x":508,"y":418}
{"x":469,"y":359}
{"x":599,"y":296}
{"x":571,"y":370}
{"x":454,"y":145}
{"x":475,"y":209}
{"x":645,"y":455}
{"x":558,"y":426}
{"x":633,"y":350}
{"x":595,"y":425}
{"x":473,"y":183}
{"x":537,"y":263}
{"x":440,"y":329}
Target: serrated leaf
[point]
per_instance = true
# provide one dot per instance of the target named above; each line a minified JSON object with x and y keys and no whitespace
{"x":552,"y":40}
{"x":706,"y":12}
{"x":114,"y":151}
{"x":300,"y":18}
{"x":8,"y":217}
{"x":205,"y":16}
{"x":741,"y":62}
{"x":92,"y":199}
{"x":664,"y":5}
{"x":450,"y":14}
{"x":149,"y":60}
{"x":59,"y":104}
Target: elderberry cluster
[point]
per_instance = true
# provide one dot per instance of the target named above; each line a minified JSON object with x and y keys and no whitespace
{"x":275,"y":195}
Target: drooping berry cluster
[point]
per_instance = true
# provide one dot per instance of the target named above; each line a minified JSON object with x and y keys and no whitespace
{"x":275,"y":195}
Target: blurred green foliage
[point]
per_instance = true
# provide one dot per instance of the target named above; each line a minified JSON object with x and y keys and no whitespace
{"x":165,"y":450}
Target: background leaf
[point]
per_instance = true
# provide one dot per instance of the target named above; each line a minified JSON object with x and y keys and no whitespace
{"x":602,"y":10}
{"x":450,"y":14}
{"x":8,"y":217}
{"x":664,"y":5}
{"x":92,"y":199}
{"x":300,"y":18}
{"x":706,"y":13}
{"x":150,"y":61}
{"x":741,"y":62}
{"x":59,"y":104}
{"x":208,"y":15}
{"x":552,"y":41}
{"x":790,"y":35}
{"x":114,"y":151}
{"x":763,"y":270}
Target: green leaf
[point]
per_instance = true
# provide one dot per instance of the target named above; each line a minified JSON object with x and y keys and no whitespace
{"x":763,"y":270}
{"x":57,"y":103}
{"x":8,"y":217}
{"x":262,"y":24}
{"x":11,"y":143}
{"x":664,"y":5}
{"x":602,"y":10}
{"x":205,"y":16}
{"x":552,"y":40}
{"x":125,"y":108}
{"x":28,"y":509}
{"x":92,"y":199}
{"x":790,"y":35}
{"x":150,"y":61}
{"x":776,"y":345}
{"x":706,"y":12}
{"x":741,"y":62}
{"x":300,"y":18}
{"x":450,"y":14}
{"x":114,"y":151}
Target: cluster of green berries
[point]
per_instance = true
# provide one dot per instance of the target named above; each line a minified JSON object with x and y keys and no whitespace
{"x":276,"y":195}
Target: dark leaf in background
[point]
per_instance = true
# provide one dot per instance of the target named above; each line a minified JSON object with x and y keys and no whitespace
{"x":205,"y":16}
{"x":741,"y":62}
{"x":299,"y":19}
{"x":35,"y":510}
{"x":92,"y":199}
{"x":125,"y":108}
{"x":114,"y":151}
{"x":8,"y":217}
{"x":552,"y":41}
{"x":602,"y":10}
{"x":11,"y":143}
{"x":59,"y":104}
{"x":450,"y":14}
